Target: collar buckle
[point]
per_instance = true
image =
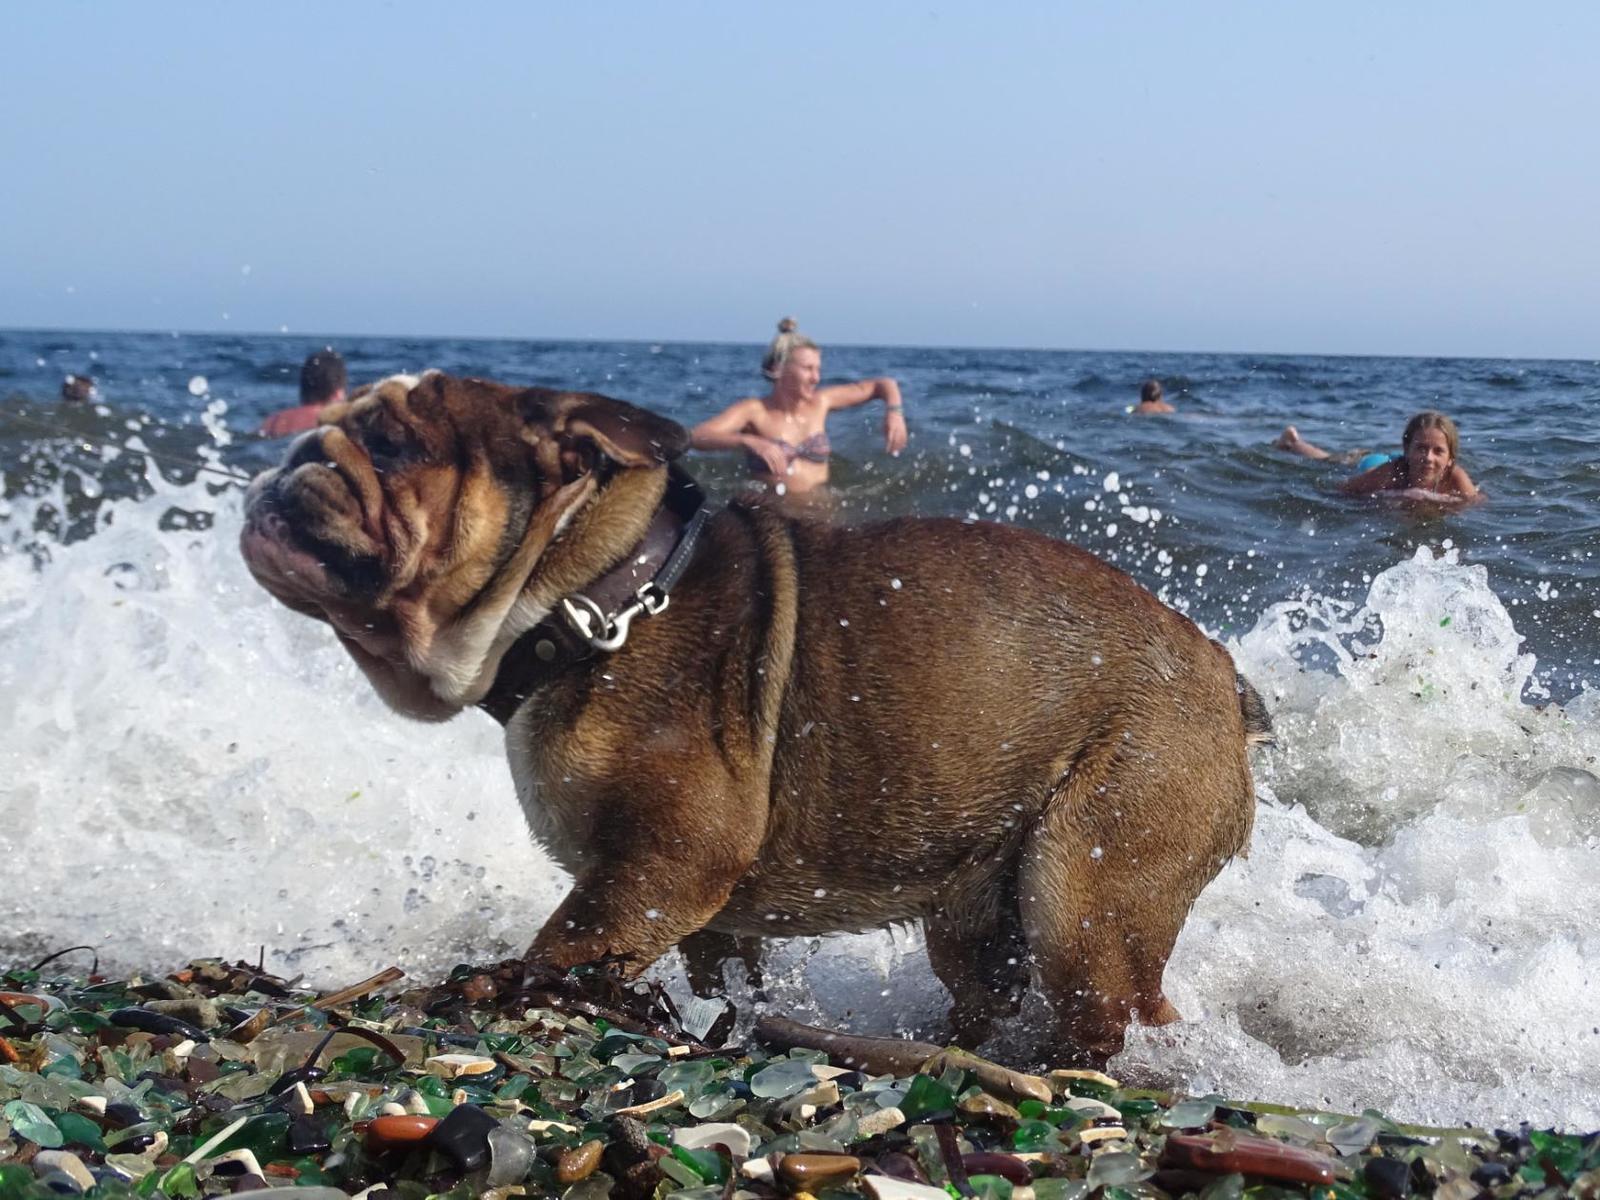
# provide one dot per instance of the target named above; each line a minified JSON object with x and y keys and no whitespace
{"x":611,"y":633}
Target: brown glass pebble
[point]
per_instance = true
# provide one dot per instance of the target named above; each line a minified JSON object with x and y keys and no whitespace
{"x":808,"y":1169}
{"x":579,"y":1162}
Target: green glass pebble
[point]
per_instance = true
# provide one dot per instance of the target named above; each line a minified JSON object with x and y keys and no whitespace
{"x":1229,"y":1187}
{"x":1035,"y":1135}
{"x":1189,"y":1114}
{"x":63,"y":1068}
{"x":1059,"y":1189}
{"x":632,"y":1063}
{"x":690,"y":1078}
{"x":926,"y":1095}
{"x":1116,"y":1168}
{"x":1031,"y":1109}
{"x":926,"y":1140}
{"x":715,"y":1105}
{"x":613,"y":1044}
{"x":1134,"y":1109}
{"x":782,"y":1078}
{"x":180,"y":1182}
{"x":679,"y":1172}
{"x":30,"y":1121}
{"x":262,"y":1135}
{"x":358,"y":1062}
{"x":513,"y":1087}
{"x":1563,"y":1153}
{"x":430,"y":1085}
{"x":79,"y":1130}
{"x":1091,"y":1089}
{"x":706,"y":1164}
{"x":990,"y":1187}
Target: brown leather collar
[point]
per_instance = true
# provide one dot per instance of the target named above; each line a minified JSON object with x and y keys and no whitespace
{"x":558,"y":642}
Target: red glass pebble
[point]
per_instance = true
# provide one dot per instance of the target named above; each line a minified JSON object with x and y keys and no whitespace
{"x":390,"y":1133}
{"x":1245,"y":1155}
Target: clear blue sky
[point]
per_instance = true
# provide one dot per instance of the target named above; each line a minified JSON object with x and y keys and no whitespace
{"x":1361,"y":177}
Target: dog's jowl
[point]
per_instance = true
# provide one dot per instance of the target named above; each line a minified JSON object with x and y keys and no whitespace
{"x":742,"y":724}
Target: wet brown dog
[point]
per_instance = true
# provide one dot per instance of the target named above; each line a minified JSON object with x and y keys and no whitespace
{"x":826,"y":730}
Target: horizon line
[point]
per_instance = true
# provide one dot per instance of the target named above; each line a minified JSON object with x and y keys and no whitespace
{"x":168,"y":331}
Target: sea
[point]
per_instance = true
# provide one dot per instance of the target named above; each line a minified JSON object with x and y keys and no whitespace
{"x":189,"y":769}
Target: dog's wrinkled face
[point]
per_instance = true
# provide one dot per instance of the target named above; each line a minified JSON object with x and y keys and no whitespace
{"x":414,"y":517}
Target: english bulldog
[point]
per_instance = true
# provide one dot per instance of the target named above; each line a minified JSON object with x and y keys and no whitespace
{"x":742,"y":724}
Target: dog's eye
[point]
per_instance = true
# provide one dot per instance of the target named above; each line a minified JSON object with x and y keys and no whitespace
{"x":386,"y":440}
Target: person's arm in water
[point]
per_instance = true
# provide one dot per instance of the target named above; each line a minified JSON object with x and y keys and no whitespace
{"x":731,"y":429}
{"x":848,"y":395}
{"x":1385,"y":477}
{"x":1460,"y":483}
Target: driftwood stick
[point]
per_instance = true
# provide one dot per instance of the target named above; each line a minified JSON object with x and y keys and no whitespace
{"x":382,"y":979}
{"x":878,"y":1055}
{"x":883,"y":1055}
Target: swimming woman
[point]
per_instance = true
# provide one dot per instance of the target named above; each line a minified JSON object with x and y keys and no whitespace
{"x":1426,"y":467}
{"x":784,"y":434}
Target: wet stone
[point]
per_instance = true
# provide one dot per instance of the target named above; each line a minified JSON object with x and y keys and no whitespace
{"x":1491,"y":1175}
{"x":1388,"y":1177}
{"x":990,"y":1109}
{"x":306,"y":1136}
{"x":464,"y":1136}
{"x":157,"y":1022}
{"x":1007,"y":1166}
{"x":199,"y":1012}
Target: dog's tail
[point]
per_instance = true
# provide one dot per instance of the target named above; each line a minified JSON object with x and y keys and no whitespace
{"x":1257,"y":720}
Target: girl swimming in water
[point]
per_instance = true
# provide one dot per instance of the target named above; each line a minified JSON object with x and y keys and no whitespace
{"x":784,"y":434}
{"x":1426,"y":468}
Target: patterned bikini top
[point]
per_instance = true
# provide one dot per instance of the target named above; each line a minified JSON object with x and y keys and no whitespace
{"x":814,"y":449}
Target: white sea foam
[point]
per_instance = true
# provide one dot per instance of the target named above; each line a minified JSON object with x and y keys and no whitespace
{"x":189,"y":767}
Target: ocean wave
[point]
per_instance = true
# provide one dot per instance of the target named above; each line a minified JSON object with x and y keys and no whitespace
{"x":1421,"y":865}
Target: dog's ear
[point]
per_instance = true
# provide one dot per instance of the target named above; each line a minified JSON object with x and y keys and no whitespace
{"x":626,"y":434}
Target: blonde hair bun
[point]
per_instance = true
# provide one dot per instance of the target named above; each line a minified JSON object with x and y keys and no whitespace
{"x":789,"y":340}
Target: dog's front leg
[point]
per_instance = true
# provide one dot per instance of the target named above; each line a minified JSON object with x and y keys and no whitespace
{"x":639,"y":896}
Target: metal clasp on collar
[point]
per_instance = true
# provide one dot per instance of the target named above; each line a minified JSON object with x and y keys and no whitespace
{"x":609,"y":633}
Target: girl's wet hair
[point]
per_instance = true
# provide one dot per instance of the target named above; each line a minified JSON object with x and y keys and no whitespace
{"x":1433,"y":419}
{"x":789,"y":340}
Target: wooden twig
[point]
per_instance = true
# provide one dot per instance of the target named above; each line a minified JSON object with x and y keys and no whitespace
{"x":354,"y":991}
{"x":883,"y":1055}
{"x":878,"y":1055}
